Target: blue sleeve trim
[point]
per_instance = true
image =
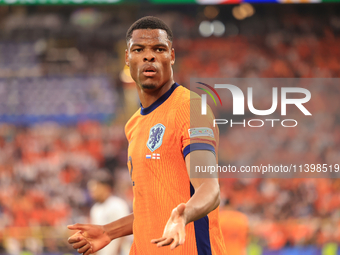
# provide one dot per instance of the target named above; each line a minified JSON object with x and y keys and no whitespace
{"x":202,"y":232}
{"x":197,"y":147}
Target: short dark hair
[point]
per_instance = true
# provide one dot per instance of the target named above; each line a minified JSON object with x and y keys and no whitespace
{"x":148,"y":22}
{"x":104,"y":177}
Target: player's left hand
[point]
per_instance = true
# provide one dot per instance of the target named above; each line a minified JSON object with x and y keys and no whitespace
{"x":174,"y":231}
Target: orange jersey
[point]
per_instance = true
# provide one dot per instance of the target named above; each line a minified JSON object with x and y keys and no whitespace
{"x":234,"y":227}
{"x":159,"y":139}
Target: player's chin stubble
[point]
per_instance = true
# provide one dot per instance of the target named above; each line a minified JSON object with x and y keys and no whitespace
{"x":150,"y":86}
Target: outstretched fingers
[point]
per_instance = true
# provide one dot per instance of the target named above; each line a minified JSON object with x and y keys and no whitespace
{"x":88,"y":252}
{"x":155,"y":241}
{"x":175,"y":243}
{"x":165,"y":242}
{"x":84,"y":249}
{"x":79,"y":244}
{"x":75,"y":238}
{"x":78,"y":226}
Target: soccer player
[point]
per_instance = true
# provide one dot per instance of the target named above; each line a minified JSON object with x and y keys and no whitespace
{"x":170,"y":207}
{"x":107,"y":208}
{"x":234,"y":226}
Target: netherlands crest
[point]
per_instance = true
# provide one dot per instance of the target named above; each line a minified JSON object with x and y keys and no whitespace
{"x":155,"y":137}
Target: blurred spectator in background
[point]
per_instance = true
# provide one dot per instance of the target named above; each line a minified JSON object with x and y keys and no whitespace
{"x":234,"y":226}
{"x":107,"y":208}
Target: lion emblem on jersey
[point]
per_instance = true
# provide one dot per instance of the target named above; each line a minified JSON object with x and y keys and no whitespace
{"x":155,"y":137}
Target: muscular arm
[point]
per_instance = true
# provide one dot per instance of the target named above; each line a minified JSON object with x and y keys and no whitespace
{"x":207,"y":190}
{"x":120,"y":228}
{"x":91,"y":238}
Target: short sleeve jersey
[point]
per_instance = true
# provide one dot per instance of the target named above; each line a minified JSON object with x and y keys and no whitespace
{"x":160,"y":137}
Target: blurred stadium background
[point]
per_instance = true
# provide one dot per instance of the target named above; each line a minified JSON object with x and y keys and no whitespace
{"x":65,"y":96}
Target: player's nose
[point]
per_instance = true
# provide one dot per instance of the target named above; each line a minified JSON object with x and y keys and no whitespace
{"x":148,"y":56}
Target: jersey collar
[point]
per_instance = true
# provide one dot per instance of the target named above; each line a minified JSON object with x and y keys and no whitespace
{"x":159,"y":101}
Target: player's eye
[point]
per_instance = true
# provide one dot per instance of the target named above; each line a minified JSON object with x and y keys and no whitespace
{"x":160,"y":49}
{"x":137,"y":50}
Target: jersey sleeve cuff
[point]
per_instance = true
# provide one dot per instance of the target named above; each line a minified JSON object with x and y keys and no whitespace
{"x":197,"y":147}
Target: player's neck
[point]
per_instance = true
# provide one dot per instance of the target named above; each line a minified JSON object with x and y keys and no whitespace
{"x":148,"y":98}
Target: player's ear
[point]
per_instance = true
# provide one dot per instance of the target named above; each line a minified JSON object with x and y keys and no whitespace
{"x":172,"y":56}
{"x":127,"y":57}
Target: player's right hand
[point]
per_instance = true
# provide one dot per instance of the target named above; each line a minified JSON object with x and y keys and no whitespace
{"x":89,"y":238}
